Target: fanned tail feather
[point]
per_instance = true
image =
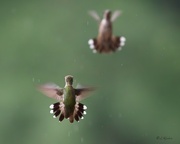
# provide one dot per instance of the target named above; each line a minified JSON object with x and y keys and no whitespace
{"x":79,"y":111}
{"x":119,"y":42}
{"x":110,"y":45}
{"x":57,"y":109}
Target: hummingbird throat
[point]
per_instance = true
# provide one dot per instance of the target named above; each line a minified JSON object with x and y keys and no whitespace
{"x":68,"y":83}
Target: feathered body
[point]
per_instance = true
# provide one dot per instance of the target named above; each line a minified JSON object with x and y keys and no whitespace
{"x":69,"y":100}
{"x":106,"y":42}
{"x":68,"y":106}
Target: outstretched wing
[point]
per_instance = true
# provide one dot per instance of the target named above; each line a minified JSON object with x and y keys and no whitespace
{"x":115,"y":15}
{"x":51,"y":90}
{"x":82,"y":92}
{"x":95,"y":15}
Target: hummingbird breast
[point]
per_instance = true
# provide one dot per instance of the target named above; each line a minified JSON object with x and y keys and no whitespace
{"x":69,"y":100}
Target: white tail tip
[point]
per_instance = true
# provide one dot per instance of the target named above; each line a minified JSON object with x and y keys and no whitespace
{"x":91,"y":46}
{"x":51,"y":106}
{"x":122,"y":43}
{"x":90,"y":42}
{"x":51,"y":111}
{"x":84,"y":107}
{"x":122,"y":39}
{"x":94,"y":51}
{"x":120,"y":48}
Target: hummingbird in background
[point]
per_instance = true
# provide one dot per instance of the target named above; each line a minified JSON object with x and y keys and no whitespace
{"x":106,"y":42}
{"x":68,"y":105}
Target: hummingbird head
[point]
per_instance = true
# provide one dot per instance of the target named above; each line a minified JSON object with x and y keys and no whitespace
{"x":69,"y":80}
{"x":107,"y":14}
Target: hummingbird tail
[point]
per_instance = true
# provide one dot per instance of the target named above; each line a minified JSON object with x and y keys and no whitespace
{"x":113,"y":44}
{"x":57,"y":109}
{"x":118,"y":42}
{"x":79,"y":111}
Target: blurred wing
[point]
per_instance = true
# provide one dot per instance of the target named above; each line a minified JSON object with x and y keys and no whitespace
{"x":115,"y":15}
{"x":82,"y":93}
{"x":51,"y":90}
{"x":94,"y":15}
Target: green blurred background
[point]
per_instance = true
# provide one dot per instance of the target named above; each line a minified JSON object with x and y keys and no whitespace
{"x":137,"y":99}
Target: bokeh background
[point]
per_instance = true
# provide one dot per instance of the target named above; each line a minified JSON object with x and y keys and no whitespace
{"x":138,"y":95}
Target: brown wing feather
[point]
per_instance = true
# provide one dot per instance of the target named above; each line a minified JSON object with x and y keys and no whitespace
{"x":82,"y":93}
{"x":115,"y":15}
{"x":51,"y":90}
{"x":94,"y":15}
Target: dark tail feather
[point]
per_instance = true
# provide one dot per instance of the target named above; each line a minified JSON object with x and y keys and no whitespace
{"x":79,"y":111}
{"x":61,"y":117}
{"x":56,"y":113}
{"x":57,"y":109}
{"x":76,"y":117}
{"x":93,"y":44}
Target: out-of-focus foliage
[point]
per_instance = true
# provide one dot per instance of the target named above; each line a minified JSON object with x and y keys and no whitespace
{"x":137,"y":99}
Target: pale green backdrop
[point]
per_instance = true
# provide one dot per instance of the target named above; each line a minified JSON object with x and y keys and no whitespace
{"x":138,"y":89}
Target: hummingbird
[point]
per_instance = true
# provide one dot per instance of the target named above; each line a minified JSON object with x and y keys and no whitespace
{"x":68,"y":105}
{"x":106,"y":42}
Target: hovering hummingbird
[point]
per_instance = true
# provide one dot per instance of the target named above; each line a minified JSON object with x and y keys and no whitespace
{"x":69,"y":98}
{"x":106,"y":42}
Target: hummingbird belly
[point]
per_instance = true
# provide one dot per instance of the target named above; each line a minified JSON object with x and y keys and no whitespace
{"x":69,"y":110}
{"x":105,"y":33}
